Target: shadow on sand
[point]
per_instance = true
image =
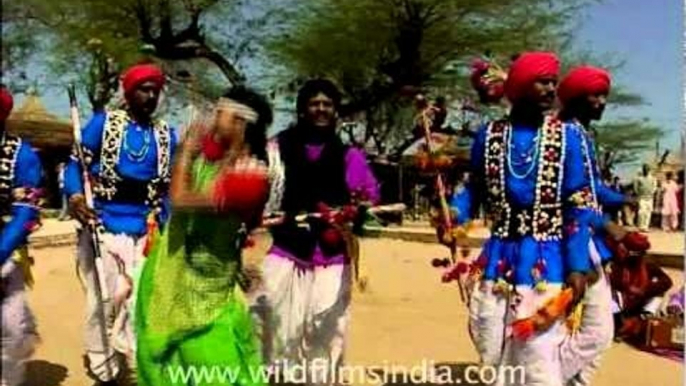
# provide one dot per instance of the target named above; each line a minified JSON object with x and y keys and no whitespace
{"x":43,"y":373}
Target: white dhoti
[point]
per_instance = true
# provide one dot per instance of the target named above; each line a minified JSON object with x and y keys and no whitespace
{"x":580,"y":352}
{"x":538,"y":357}
{"x":19,"y":335}
{"x":303,"y":313}
{"x":121,"y":254}
{"x":329,"y":310}
{"x":487,"y":312}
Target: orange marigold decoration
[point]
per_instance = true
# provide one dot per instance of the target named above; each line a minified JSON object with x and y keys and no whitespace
{"x":554,"y":309}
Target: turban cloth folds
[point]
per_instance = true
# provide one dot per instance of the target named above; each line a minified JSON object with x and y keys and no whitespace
{"x":582,"y":81}
{"x":142,"y":73}
{"x":529,"y":67}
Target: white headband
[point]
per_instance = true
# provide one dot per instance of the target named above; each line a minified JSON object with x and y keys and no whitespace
{"x":242,"y":110}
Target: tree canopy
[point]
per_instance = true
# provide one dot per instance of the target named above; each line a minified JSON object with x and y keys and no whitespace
{"x":92,"y":40}
{"x":378,"y":50}
{"x":381,"y":52}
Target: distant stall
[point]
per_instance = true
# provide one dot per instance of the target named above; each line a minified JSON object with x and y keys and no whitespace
{"x":410,"y":179}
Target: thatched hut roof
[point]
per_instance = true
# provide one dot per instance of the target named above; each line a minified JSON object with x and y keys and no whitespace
{"x":34,"y":123}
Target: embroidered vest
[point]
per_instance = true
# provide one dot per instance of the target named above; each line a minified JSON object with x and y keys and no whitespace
{"x":543,"y":221}
{"x":9,"y":150}
{"x":105,"y":186}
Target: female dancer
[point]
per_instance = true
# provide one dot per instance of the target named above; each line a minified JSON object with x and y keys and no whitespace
{"x":192,"y":318}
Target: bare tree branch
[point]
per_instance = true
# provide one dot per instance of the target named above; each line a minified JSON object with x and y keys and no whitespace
{"x":166,"y":31}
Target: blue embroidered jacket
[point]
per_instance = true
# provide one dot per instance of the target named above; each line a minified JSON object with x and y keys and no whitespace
{"x":131,"y":166}
{"x":604,"y":195}
{"x":558,"y":200}
{"x":20,"y":178}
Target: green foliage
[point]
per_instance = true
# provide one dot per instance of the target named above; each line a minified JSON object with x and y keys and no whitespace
{"x":381,"y":51}
{"x":625,"y":141}
{"x":90,"y":41}
{"x":18,"y":42}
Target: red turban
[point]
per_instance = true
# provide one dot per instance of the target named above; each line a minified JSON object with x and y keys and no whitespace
{"x":529,"y":67}
{"x":6,"y":103}
{"x":583,"y":80}
{"x":142,"y":73}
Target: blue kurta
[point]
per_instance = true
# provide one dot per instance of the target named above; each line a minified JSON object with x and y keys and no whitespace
{"x":118,"y":217}
{"x":27,"y":174}
{"x":522,"y":253}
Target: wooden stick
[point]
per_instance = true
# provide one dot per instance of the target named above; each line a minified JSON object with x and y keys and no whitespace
{"x":279,"y":218}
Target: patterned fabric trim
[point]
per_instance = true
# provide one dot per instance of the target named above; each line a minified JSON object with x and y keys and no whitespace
{"x":499,"y":209}
{"x":547,"y":221}
{"x":277,"y":178}
{"x":112,"y":136}
{"x":9,"y":151}
{"x":587,"y":198}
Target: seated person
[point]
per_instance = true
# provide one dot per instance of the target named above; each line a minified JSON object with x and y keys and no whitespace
{"x":638,"y":287}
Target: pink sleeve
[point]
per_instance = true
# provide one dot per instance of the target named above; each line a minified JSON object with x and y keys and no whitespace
{"x":359,"y":176}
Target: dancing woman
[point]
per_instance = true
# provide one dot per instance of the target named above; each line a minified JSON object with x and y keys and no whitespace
{"x":191,"y":312}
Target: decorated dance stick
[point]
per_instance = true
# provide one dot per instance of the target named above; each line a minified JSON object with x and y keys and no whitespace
{"x":101,"y":292}
{"x":440,"y":185}
{"x":88,"y":193}
{"x":446,"y":214}
{"x":279,"y":218}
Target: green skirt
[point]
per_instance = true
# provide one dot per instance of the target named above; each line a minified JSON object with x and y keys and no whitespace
{"x":193,"y":326}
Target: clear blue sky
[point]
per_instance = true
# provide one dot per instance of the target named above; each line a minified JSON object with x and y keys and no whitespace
{"x":647,"y":34}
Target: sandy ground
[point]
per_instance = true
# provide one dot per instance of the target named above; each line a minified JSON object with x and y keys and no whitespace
{"x":406,"y":316}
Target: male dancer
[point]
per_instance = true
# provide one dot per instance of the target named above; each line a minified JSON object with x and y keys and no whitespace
{"x":20,"y":177}
{"x":307,"y":271}
{"x":583,"y":93}
{"x":531,"y":167}
{"x":129,"y":155}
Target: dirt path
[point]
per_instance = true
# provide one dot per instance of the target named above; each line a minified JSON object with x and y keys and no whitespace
{"x":406,"y":316}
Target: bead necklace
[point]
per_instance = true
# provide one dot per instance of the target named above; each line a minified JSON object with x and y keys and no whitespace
{"x":527,"y":156}
{"x":531,"y":160}
{"x":140,"y":154}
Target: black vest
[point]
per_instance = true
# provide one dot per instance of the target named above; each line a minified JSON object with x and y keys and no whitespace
{"x":307,"y":184}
